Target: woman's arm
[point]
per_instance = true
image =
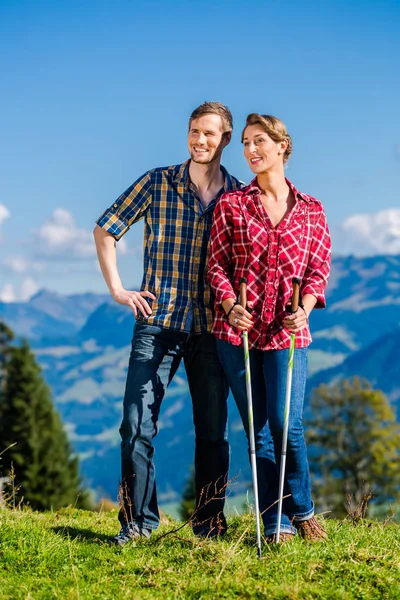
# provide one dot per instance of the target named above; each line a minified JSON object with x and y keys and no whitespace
{"x":299,"y":319}
{"x":318,"y":269}
{"x":315,"y":278}
{"x":220,"y":266}
{"x":220,"y":254}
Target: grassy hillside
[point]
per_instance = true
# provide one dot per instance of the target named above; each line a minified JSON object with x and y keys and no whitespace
{"x":64,"y":555}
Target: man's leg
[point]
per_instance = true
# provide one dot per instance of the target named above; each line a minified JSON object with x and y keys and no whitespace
{"x":209,"y":391}
{"x":153,"y":362}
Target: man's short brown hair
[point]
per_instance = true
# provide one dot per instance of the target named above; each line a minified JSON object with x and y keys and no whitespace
{"x":214,"y":108}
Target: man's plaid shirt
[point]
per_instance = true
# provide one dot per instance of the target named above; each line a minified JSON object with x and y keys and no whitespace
{"x":176,"y":235}
{"x":244,"y":243}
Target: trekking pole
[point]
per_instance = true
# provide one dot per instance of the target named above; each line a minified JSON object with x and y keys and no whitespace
{"x":252,"y":444}
{"x":292,"y":307}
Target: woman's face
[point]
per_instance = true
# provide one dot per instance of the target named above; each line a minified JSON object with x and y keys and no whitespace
{"x":260,"y":151}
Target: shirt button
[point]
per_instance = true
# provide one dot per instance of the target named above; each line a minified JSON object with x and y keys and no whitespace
{"x":115,"y":205}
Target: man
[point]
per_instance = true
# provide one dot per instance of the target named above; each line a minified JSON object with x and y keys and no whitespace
{"x":174,"y":318}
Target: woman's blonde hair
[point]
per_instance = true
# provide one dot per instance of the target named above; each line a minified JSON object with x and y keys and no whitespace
{"x":274,"y":127}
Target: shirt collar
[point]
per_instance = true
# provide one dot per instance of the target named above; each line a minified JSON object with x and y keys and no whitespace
{"x":182,"y":176}
{"x":254,"y":188}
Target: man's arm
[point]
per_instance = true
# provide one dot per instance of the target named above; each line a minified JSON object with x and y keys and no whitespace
{"x":107,"y":255}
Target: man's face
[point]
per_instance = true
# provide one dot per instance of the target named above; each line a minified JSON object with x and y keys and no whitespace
{"x":206,"y":139}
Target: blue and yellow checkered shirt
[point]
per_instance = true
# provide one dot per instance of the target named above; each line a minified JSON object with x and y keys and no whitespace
{"x":176,"y":235}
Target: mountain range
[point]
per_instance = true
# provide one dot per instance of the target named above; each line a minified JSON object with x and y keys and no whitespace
{"x":82,"y":342}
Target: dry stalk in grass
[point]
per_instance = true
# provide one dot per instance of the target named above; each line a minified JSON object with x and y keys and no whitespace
{"x":124,"y":502}
{"x":356,"y":510}
{"x":8,"y":497}
{"x":204,"y":493}
{"x":233,"y":552}
{"x":276,"y":502}
{"x":8,"y":447}
{"x":192,"y":519}
{"x":389,"y":518}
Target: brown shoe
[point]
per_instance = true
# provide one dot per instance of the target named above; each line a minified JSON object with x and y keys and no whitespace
{"x":311,"y":530}
{"x":283,"y":537}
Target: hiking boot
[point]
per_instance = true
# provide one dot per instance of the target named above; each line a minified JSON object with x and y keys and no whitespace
{"x":311,"y":530}
{"x":129,"y":532}
{"x":283,"y":537}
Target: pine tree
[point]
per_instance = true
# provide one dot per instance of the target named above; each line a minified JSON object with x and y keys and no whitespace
{"x":6,"y":337}
{"x":46,"y":471}
{"x":354,"y":446}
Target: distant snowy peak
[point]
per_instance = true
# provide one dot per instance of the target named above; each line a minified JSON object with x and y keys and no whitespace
{"x":74,"y":308}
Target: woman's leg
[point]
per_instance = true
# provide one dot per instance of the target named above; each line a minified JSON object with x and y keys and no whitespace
{"x":232,"y":361}
{"x":298,"y":506}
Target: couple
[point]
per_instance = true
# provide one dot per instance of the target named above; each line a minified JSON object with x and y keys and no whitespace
{"x":267,"y":232}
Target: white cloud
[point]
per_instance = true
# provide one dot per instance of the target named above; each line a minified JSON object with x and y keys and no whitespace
{"x":122,"y":247}
{"x":59,"y":237}
{"x":20,"y":265}
{"x":7,"y":294}
{"x":366,"y":234}
{"x":4,"y":213}
{"x":57,"y":249}
{"x":26,"y":290}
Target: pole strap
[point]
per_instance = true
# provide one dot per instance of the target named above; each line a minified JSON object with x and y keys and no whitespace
{"x":231,"y":309}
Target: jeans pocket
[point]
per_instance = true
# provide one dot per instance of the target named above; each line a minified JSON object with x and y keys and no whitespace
{"x":141,"y":327}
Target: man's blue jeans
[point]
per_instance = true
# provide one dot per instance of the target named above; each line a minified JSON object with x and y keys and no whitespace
{"x":155,"y":357}
{"x":268,"y":380}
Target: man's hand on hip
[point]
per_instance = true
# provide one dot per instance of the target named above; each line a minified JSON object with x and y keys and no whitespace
{"x":135,"y":300}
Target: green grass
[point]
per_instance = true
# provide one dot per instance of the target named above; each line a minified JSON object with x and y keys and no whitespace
{"x":65,"y":555}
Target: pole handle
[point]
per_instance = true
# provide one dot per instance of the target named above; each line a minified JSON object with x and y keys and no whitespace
{"x":243,"y":292}
{"x":294,"y":304}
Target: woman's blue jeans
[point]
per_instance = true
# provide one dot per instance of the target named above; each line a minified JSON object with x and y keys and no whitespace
{"x":268,"y":379}
{"x":155,"y":357}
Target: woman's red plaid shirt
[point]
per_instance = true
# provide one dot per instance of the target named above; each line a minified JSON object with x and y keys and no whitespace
{"x":245,"y":244}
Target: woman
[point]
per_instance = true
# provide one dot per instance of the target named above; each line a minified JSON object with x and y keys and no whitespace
{"x":268,"y":232}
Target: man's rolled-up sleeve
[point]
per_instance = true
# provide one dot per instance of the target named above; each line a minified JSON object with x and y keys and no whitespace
{"x":129,"y":208}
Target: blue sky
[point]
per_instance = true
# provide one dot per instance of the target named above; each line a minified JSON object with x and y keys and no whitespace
{"x":94,"y":93}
